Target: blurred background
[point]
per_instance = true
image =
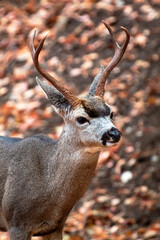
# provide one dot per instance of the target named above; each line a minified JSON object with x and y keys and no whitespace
{"x":123,"y":200}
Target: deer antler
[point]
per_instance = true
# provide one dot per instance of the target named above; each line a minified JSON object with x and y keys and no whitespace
{"x":119,"y":52}
{"x":35,"y":54}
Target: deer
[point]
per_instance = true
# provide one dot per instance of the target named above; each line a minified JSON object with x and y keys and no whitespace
{"x":41,"y":179}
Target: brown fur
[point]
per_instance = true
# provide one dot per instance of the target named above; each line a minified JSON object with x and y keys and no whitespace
{"x":95,"y":107}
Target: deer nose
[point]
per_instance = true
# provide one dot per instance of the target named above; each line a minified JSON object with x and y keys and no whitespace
{"x":113,"y":136}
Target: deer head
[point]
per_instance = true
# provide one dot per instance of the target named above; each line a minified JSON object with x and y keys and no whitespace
{"x":90,"y":116}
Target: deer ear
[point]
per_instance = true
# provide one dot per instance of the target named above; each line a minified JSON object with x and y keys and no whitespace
{"x":58,"y":101}
{"x":93,"y":86}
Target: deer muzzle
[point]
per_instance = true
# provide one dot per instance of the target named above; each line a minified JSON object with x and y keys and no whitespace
{"x":111,"y":136}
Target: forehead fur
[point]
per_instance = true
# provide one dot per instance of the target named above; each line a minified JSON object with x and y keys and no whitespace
{"x":95,"y":107}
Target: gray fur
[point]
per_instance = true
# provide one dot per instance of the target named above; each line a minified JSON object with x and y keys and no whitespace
{"x":93,"y":86}
{"x":54,"y":96}
{"x":41,"y":179}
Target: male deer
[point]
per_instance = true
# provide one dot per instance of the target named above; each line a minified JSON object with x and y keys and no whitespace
{"x":41,"y":179}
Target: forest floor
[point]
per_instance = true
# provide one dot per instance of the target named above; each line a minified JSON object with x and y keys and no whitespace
{"x":123,"y":200}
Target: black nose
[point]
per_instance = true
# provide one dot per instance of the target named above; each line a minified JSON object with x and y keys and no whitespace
{"x":113,"y":136}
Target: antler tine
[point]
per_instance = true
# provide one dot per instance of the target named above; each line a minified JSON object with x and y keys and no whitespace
{"x":119,"y":52}
{"x":33,"y":34}
{"x":73,"y":100}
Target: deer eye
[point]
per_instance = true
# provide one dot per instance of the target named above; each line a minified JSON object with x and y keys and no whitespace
{"x":111,"y":116}
{"x":82,"y":120}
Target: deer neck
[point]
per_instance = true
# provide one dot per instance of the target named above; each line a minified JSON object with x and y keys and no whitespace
{"x":72,"y":165}
{"x":70,"y":143}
